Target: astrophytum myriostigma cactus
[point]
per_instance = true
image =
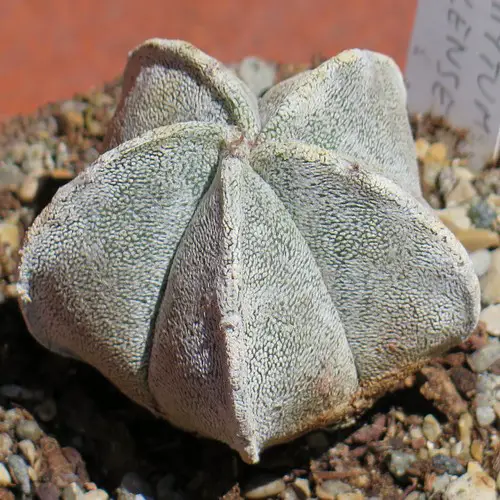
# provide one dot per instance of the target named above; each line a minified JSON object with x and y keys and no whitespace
{"x":250,"y":269}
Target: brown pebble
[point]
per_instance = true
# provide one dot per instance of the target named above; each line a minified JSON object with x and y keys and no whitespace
{"x":60,"y":468}
{"x":475,"y":239}
{"x":442,"y":392}
{"x":369,"y":433}
{"x":418,"y":443}
{"x":71,"y":120}
{"x":465,"y":380}
{"x":48,"y":491}
{"x":61,"y":174}
{"x":77,"y":463}
{"x":6,"y":494}
{"x":455,"y":359}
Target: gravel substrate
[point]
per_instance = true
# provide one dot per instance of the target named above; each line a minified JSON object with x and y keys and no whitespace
{"x":65,"y":432}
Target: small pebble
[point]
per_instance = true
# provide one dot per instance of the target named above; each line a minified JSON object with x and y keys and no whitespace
{"x":490,"y":283}
{"x":416,"y":432}
{"x":437,"y":153}
{"x":482,"y":214}
{"x":481,"y":260}
{"x":265,"y":487}
{"x":29,"y":429}
{"x":302,"y":487}
{"x":448,"y":465}
{"x":422,"y":146}
{"x":475,"y":239}
{"x":438,"y":451}
{"x":48,"y":491}
{"x":463,"y":173}
{"x":331,"y":488}
{"x":431,"y":428}
{"x":475,"y":485}
{"x":33,"y":474}
{"x":482,"y":359}
{"x":72,"y":492}
{"x":5,"y":445}
{"x":33,"y":160}
{"x":19,"y":473}
{"x":10,"y":175}
{"x":354,"y":495}
{"x":61,"y":174}
{"x":490,"y":316}
{"x":96,"y":495}
{"x":12,"y":416}
{"x":476,"y":450}
{"x":62,"y":155}
{"x":496,"y":408}
{"x":463,"y":192}
{"x":399,"y":462}
{"x":18,"y":151}
{"x":442,"y":482}
{"x":416,"y":495}
{"x":258,"y":74}
{"x":455,"y":218}
{"x":5,"y":479}
{"x":123,"y":494}
{"x":29,"y":188}
{"x":485,"y":415}
{"x":10,"y":235}
{"x":28,"y":450}
{"x":289,"y":494}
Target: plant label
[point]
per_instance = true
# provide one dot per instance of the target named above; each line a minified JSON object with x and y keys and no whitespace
{"x":453,"y":69}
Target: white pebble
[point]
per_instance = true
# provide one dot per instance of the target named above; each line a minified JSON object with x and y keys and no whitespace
{"x":481,"y":260}
{"x":481,"y":360}
{"x":266,"y":488}
{"x":485,"y":415}
{"x":490,"y":316}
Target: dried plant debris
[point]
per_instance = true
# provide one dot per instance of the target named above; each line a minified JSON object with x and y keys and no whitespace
{"x":65,"y":432}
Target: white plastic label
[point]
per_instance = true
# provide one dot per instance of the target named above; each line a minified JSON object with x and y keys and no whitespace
{"x":453,"y":69}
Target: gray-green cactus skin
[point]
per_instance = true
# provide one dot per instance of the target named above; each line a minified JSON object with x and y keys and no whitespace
{"x":250,"y":269}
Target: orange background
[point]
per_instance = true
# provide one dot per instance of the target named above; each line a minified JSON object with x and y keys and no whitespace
{"x":50,"y":49}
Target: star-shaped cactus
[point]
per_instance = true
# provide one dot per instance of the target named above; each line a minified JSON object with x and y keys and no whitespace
{"x":250,"y":269}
